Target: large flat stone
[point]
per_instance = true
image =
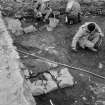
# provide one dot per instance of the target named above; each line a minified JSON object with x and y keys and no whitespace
{"x":52,"y":81}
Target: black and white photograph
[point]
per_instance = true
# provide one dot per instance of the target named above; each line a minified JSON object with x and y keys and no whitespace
{"x":52,"y":52}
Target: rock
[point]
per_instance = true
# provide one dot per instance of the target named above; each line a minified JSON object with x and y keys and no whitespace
{"x":65,"y":78}
{"x":86,"y":1}
{"x":51,"y":85}
{"x":52,"y":64}
{"x":51,"y":81}
{"x":14,"y":25}
{"x":26,"y":72}
{"x":30,"y":29}
{"x":13,"y":88}
{"x":100,"y":102}
{"x":37,"y":88}
{"x":20,"y":1}
{"x":84,"y":98}
{"x":99,"y":91}
{"x":42,"y":86}
{"x":100,"y":66}
{"x":51,"y":50}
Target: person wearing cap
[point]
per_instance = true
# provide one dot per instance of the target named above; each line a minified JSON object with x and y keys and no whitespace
{"x":73,"y":11}
{"x":88,"y":35}
{"x":43,"y":8}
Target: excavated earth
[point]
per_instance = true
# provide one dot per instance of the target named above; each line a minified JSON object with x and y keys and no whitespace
{"x":56,"y":46}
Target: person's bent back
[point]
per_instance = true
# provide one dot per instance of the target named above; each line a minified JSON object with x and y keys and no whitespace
{"x":88,"y":35}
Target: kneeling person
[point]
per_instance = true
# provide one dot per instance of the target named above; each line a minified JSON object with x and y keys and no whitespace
{"x":44,"y":9}
{"x":88,"y":36}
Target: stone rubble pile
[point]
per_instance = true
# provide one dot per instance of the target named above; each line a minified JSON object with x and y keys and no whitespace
{"x":52,"y":80}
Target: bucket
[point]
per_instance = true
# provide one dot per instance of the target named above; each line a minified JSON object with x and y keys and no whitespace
{"x":52,"y":24}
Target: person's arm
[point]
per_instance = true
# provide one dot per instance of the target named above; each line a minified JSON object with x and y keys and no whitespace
{"x":48,"y":13}
{"x":76,"y":38}
{"x":99,"y":30}
{"x":96,"y":38}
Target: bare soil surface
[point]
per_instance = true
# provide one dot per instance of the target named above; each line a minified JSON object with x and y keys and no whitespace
{"x":56,"y":46}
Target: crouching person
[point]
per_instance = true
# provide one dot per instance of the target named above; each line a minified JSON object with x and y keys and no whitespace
{"x":73,"y":11}
{"x":44,"y":9}
{"x":89,"y":35}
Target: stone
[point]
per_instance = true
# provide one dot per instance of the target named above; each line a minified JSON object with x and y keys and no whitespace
{"x":84,"y":98}
{"x":20,"y":1}
{"x":30,"y":29}
{"x":99,"y":90}
{"x":14,"y":26}
{"x":14,"y":89}
{"x":65,"y":78}
{"x":42,"y":86}
{"x":51,"y":81}
{"x":100,"y":66}
{"x":86,"y":1}
{"x":100,"y":102}
{"x":52,"y":64}
{"x":37,"y":88}
{"x":51,"y":85}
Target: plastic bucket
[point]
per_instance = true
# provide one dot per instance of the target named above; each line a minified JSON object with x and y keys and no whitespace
{"x":53,"y":22}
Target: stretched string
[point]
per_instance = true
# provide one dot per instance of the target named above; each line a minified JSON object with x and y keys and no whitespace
{"x":62,"y":64}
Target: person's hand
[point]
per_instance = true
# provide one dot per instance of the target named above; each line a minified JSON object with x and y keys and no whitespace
{"x":93,"y":49}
